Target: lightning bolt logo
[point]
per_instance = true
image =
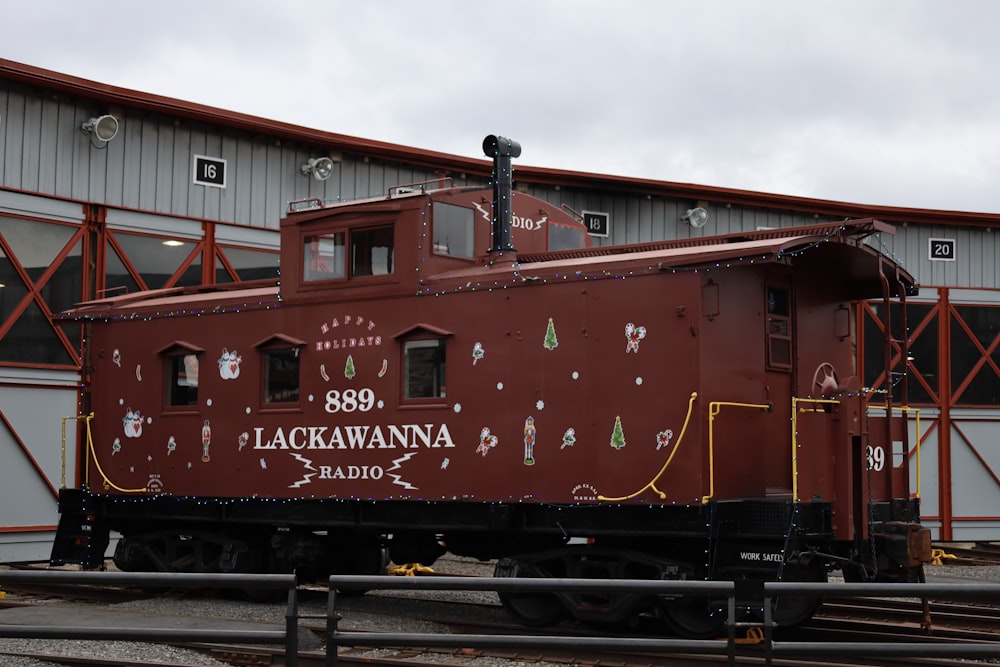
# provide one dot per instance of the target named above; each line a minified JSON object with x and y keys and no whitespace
{"x":487,"y":215}
{"x":396,"y":464}
{"x":308,"y":465}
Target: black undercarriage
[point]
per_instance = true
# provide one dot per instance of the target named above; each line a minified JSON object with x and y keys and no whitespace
{"x":740,"y":540}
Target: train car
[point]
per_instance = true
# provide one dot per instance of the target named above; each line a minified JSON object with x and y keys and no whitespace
{"x":456,"y":369}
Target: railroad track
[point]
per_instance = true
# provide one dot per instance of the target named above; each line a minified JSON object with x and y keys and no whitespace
{"x":848,"y":620}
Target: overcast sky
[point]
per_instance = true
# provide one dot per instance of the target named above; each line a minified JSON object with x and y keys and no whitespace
{"x":891,"y":102}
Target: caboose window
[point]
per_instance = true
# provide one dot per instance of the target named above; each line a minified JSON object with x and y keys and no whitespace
{"x":371,"y":251}
{"x":562,"y":237}
{"x":423,"y":368}
{"x":281,"y":375}
{"x":779,"y":328}
{"x":323,"y":257}
{"x":453,"y":230}
{"x":182,"y":379}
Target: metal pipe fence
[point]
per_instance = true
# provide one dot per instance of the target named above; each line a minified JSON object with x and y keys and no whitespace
{"x":288,"y":636}
{"x":911,"y":648}
{"x":337,"y":638}
{"x":758,"y":597}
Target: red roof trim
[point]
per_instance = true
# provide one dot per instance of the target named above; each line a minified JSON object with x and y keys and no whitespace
{"x":85,"y":88}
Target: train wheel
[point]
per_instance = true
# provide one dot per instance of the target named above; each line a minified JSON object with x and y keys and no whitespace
{"x":531,"y":609}
{"x":793,"y":610}
{"x":696,"y":620}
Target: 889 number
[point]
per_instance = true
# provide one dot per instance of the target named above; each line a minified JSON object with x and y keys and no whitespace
{"x":350,"y":400}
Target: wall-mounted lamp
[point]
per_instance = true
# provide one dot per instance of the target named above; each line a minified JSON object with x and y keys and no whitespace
{"x":102,"y":128}
{"x":321,"y":168}
{"x":696,"y":217}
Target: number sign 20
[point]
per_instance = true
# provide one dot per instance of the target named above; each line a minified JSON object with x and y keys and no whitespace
{"x":941,"y":250}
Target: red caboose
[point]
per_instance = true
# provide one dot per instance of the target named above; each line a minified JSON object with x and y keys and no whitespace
{"x":685,"y":409}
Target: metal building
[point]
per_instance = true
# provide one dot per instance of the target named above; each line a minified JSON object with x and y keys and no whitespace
{"x":104,"y":189}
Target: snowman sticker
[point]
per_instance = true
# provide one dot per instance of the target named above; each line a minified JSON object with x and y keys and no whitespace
{"x":132,"y":423}
{"x":229,"y":364}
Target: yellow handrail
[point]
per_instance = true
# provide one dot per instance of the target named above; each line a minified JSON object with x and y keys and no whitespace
{"x":795,"y":438}
{"x":795,"y":431}
{"x":713,"y":409}
{"x":90,"y":452}
{"x":916,"y":411}
{"x":677,"y":444}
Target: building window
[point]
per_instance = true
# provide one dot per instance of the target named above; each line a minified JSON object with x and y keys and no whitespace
{"x":281,"y":375}
{"x":779,"y":328}
{"x":424,"y":368}
{"x":182,"y":379}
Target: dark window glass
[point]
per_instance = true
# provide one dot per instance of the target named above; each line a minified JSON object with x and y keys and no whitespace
{"x":980,"y":331}
{"x":117,"y":279}
{"x":281,"y":375}
{"x":566,"y":238}
{"x":191,"y":275}
{"x":371,"y":251}
{"x":155,"y":258}
{"x":424,"y":368}
{"x":779,"y":328}
{"x":923,"y":375}
{"x":323,"y":257}
{"x":249,"y":264}
{"x":454,"y":230}
{"x":182,"y":379}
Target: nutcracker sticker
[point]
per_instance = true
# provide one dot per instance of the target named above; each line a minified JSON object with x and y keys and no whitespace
{"x":206,"y":441}
{"x":529,"y":441}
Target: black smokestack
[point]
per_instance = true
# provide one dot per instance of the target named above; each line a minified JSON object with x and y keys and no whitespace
{"x":501,"y":149}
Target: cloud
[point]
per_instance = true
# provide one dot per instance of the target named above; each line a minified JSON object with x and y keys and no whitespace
{"x":882,"y":103}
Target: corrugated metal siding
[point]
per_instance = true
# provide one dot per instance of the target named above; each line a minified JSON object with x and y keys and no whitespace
{"x":640,"y":219}
{"x":977,"y":255}
{"x":149,"y":165}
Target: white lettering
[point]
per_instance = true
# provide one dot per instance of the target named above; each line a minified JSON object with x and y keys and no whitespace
{"x":363,"y":436}
{"x":351,"y":472}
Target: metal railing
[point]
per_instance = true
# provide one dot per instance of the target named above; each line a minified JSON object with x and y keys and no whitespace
{"x":766,"y":591}
{"x":288,"y":636}
{"x":902,"y":648}
{"x":336,"y":638}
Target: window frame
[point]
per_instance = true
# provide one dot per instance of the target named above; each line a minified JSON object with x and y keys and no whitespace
{"x":169,"y":358}
{"x":417,"y":333}
{"x":347,"y":230}
{"x":444,"y":251}
{"x":784,"y":335}
{"x":278,"y":343}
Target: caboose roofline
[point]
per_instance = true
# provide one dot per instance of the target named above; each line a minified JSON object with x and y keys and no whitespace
{"x":842,"y":243}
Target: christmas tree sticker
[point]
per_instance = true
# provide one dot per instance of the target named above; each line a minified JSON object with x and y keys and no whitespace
{"x":551,"y":342}
{"x":617,"y":435}
{"x":349,"y":371}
